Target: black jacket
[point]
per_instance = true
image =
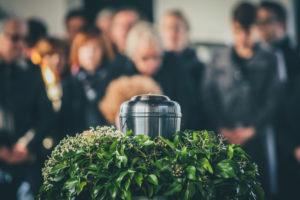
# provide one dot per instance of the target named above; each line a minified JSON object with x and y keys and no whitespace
{"x":291,"y":58}
{"x":25,"y":104}
{"x":176,"y":84}
{"x":239,"y":92}
{"x":191,"y":64}
{"x":81,"y":94}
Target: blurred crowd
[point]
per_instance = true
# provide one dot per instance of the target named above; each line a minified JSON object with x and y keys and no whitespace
{"x":52,"y":87}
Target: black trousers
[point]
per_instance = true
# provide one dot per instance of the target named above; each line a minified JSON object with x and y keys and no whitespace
{"x":262,"y":149}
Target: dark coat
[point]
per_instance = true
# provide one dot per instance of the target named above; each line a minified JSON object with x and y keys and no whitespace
{"x":176,"y":84}
{"x":81,"y":94}
{"x":23,"y":97}
{"x":24,"y":106}
{"x":238,"y":92}
{"x":291,"y":58}
{"x":242,"y":93}
{"x":192,"y":65}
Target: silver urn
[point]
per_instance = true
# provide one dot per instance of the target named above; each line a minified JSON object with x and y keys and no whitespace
{"x":152,"y":115}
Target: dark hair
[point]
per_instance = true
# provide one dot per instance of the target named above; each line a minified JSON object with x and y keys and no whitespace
{"x":276,"y":8}
{"x":245,"y":14}
{"x":75,"y":13}
{"x":179,"y":15}
{"x":36,"y":31}
{"x":128,"y":9}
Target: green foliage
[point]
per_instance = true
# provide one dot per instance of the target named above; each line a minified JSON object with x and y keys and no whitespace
{"x":105,"y":164}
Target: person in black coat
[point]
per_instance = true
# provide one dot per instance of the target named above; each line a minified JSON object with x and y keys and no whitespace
{"x":175,"y":37}
{"x":240,"y":95}
{"x":26,"y":115}
{"x":143,"y":48}
{"x":83,"y":90}
{"x":272,"y":29}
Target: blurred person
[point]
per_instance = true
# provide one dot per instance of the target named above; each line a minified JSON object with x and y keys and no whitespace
{"x":123,"y":89}
{"x":143,"y":47}
{"x":104,"y":20}
{"x":36,"y":31}
{"x":241,"y":91}
{"x":272,"y":28}
{"x":122,"y":22}
{"x":175,"y":30}
{"x":51,"y":54}
{"x":54,"y":52}
{"x":25,"y":114}
{"x":90,"y":57}
{"x":75,"y":20}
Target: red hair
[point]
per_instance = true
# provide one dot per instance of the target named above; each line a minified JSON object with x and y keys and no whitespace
{"x":83,"y":37}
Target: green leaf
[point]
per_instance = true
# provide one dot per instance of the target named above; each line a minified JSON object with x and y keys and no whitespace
{"x":129,"y":133}
{"x":80,"y":187}
{"x":148,"y":143}
{"x":70,"y":185}
{"x":191,"y":172}
{"x":127,"y":195}
{"x":152,"y":179}
{"x":113,"y":191}
{"x":175,"y":187}
{"x":168,"y":142}
{"x":139,"y":179}
{"x":120,"y":178}
{"x":225,"y":169}
{"x":189,"y":192}
{"x":122,"y":160}
{"x":57,"y":168}
{"x":205,"y":166}
{"x":184,"y":152}
{"x":230,"y":151}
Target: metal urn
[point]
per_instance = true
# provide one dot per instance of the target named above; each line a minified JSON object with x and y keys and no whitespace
{"x":152,"y":115}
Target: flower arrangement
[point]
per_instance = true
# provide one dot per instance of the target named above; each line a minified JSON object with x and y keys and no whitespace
{"x":103,"y":163}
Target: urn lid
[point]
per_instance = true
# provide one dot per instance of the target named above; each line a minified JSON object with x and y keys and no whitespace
{"x":150,"y":105}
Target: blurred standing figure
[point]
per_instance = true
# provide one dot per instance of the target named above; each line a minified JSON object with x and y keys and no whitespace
{"x":241,"y":89}
{"x":175,"y":36}
{"x":75,"y":20}
{"x":25,"y":113}
{"x":144,"y":48}
{"x":104,"y":20}
{"x":90,"y":56}
{"x":272,"y":27}
{"x":36,"y":31}
{"x":122,"y":22}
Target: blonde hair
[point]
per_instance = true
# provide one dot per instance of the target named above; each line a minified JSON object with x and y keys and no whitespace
{"x":141,"y":31}
{"x":121,"y":90}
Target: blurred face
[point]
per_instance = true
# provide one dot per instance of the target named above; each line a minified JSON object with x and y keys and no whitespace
{"x":147,"y":58}
{"x":242,"y":38}
{"x":104,"y":24}
{"x":90,"y":55}
{"x":174,"y":33}
{"x":269,"y":28}
{"x":121,"y":24}
{"x":74,"y":25}
{"x":12,"y":40}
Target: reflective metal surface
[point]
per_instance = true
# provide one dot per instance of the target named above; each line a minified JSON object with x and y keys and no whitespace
{"x":152,"y":115}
